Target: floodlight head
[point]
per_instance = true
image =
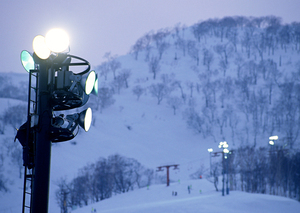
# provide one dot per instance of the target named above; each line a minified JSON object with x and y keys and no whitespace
{"x":275,"y":137}
{"x":40,"y":48}
{"x":88,"y":82}
{"x":210,"y":150}
{"x":85,"y":119}
{"x":57,"y":40}
{"x":27,"y":60}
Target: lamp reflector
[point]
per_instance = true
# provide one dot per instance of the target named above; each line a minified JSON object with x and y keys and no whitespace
{"x":27,"y":60}
{"x":40,"y":48}
{"x":85,"y":119}
{"x":89,"y":82}
{"x":57,"y":40}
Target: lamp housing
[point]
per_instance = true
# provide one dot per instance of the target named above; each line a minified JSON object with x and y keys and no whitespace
{"x":27,"y":60}
{"x":83,"y":119}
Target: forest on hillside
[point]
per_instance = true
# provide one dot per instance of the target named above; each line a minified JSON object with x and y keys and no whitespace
{"x":246,"y":82}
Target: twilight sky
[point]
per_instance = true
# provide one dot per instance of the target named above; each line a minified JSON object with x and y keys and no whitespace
{"x":99,"y":26}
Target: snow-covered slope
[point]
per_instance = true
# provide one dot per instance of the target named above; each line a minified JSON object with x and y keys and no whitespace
{"x":159,"y":199}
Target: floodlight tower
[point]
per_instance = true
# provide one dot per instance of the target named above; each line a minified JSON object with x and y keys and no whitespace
{"x":57,"y":89}
{"x":224,"y":145}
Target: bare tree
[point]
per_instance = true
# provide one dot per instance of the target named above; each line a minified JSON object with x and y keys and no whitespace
{"x":208,"y":58}
{"x":103,"y":69}
{"x":259,"y":43}
{"x":194,"y":121}
{"x":174,"y":103}
{"x":118,"y":83}
{"x":104,"y":98}
{"x":224,"y":51}
{"x":142,"y":44}
{"x":114,"y":65}
{"x":247,"y":38}
{"x":138,"y":91}
{"x":162,"y":47}
{"x":137,"y":47}
{"x":160,"y":91}
{"x":182,"y":44}
{"x":191,"y":86}
{"x":178,"y":84}
{"x":62,"y":195}
{"x":154,"y":66}
{"x":193,"y":51}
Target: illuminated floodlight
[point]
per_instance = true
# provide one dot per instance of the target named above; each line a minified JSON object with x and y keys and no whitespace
{"x":27,"y":60}
{"x":210,"y":150}
{"x":225,"y":144}
{"x":88,"y":82}
{"x":272,"y":138}
{"x":85,"y":119}
{"x":40,"y":48}
{"x":226,"y":151}
{"x":57,"y":40}
{"x":271,"y":143}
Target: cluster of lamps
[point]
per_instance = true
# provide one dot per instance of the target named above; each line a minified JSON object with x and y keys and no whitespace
{"x":272,"y":139}
{"x":224,"y":145}
{"x":70,"y":90}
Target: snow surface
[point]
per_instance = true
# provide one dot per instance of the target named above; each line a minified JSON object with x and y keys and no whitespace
{"x":159,"y":199}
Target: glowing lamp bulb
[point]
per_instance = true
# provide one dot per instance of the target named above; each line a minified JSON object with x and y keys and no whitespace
{"x":40,"y":48}
{"x":57,"y":40}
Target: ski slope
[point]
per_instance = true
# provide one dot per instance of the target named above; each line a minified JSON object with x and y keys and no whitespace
{"x":158,"y":198}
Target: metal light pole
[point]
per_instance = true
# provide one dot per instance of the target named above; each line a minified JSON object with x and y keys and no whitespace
{"x":223,"y":172}
{"x":227,"y":188}
{"x":210,"y":150}
{"x":224,"y":146}
{"x":57,"y":89}
{"x":43,"y":144}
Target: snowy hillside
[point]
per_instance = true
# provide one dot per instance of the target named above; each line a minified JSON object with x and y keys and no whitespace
{"x":176,"y":94}
{"x":159,"y":199}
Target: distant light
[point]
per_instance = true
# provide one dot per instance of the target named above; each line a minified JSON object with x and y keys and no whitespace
{"x":40,"y":48}
{"x":210,"y":150}
{"x":272,"y":138}
{"x":223,"y":144}
{"x":27,"y":60}
{"x":226,"y":151}
{"x":57,"y":40}
{"x":271,"y":143}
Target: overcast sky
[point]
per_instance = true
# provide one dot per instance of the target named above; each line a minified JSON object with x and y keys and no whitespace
{"x":99,"y":26}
